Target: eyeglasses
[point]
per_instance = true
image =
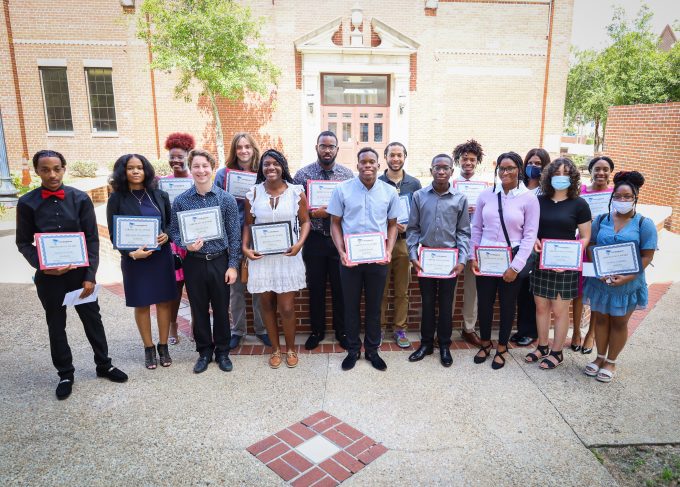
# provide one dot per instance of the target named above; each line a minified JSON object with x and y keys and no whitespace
{"x":324,"y":147}
{"x":441,"y":168}
{"x":623,"y":197}
{"x":502,"y":170}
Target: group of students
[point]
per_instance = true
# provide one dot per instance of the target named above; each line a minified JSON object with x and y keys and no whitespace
{"x":531,"y":199}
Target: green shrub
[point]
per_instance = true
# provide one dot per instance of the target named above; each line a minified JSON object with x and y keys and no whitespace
{"x":580,"y":161}
{"x":83,"y":169}
{"x":161,"y":167}
{"x":16,"y":181}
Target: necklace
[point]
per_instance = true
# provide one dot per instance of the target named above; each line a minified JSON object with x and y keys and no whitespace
{"x":138,"y":199}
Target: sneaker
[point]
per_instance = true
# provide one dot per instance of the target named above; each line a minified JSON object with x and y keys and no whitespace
{"x":235,"y":341}
{"x":401,"y":339}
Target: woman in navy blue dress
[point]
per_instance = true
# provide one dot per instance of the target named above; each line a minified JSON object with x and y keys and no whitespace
{"x":148,"y":275}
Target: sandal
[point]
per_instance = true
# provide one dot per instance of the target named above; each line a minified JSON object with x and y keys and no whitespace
{"x":533,"y":357}
{"x":547,"y":364}
{"x":498,"y":365}
{"x":586,"y":350}
{"x":275,"y":359}
{"x":291,"y":359}
{"x":150,"y":361}
{"x":173,"y":339}
{"x":577,"y":347}
{"x":486,"y":349}
{"x":592,"y":368}
{"x":164,"y":355}
{"x":606,"y":375}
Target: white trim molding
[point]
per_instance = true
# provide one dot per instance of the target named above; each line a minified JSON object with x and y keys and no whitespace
{"x":98,"y":63}
{"x":71,"y":42}
{"x":51,"y":63}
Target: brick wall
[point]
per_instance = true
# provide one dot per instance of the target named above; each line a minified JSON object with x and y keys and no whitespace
{"x":646,"y":138}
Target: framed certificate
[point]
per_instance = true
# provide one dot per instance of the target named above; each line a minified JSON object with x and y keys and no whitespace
{"x":616,"y":259}
{"x":133,"y":232}
{"x":175,"y":186}
{"x":404,"y":208}
{"x":61,"y":249}
{"x":598,"y":202}
{"x":365,"y":248}
{"x":493,"y":261}
{"x":202,"y":224}
{"x":437,"y":263}
{"x":319,"y":192}
{"x":272,"y":238}
{"x":564,"y":255}
{"x":471,"y":189}
{"x":238,"y":183}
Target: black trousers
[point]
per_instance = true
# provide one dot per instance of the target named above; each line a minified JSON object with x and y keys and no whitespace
{"x":526,"y":311}
{"x":436,"y":292}
{"x":206,"y":288}
{"x":51,"y":291}
{"x":487,"y":286}
{"x":323,"y":263}
{"x":369,"y":278}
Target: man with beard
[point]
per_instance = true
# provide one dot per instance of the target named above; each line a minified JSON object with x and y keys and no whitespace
{"x":320,"y":255}
{"x":400,"y":266}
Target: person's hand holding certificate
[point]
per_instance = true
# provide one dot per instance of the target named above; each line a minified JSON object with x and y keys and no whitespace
{"x":365,"y":248}
{"x":203,"y":224}
{"x":319,"y":192}
{"x":61,"y":250}
{"x":561,"y":255}
{"x":493,"y":261}
{"x":134,"y":232}
{"x":615,"y":260}
{"x":437,"y":263}
{"x":271,"y":238}
{"x":238,"y":183}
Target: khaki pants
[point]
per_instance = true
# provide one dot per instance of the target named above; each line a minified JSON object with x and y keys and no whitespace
{"x":399,"y":272}
{"x":469,"y":299}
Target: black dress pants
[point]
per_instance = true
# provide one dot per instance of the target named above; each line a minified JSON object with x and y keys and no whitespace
{"x":322,"y":262}
{"x":207,"y":288}
{"x":436,"y":292}
{"x":51,"y":292}
{"x":526,"y":311}
{"x":369,"y":278}
{"x":487,"y":286}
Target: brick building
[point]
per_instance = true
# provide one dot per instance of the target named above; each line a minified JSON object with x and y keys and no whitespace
{"x":74,"y":77}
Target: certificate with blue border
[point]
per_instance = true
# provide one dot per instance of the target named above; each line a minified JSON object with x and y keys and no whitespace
{"x":61,"y":249}
{"x":175,"y":186}
{"x":365,"y":248}
{"x":561,"y":255}
{"x":598,"y":202}
{"x":238,"y":183}
{"x":437,"y":262}
{"x":200,"y":224}
{"x":272,"y":238}
{"x":493,"y":260}
{"x":133,"y":232}
{"x":616,"y":259}
{"x":404,"y":208}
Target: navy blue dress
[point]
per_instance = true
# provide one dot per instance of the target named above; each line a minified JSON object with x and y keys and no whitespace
{"x":151,"y":280}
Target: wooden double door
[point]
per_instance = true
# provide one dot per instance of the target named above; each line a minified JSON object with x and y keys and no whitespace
{"x":357,"y":127}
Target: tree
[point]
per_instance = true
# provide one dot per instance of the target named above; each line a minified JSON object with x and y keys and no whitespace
{"x":214,"y":43}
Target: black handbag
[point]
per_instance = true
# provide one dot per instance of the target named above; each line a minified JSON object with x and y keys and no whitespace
{"x":531,"y":261}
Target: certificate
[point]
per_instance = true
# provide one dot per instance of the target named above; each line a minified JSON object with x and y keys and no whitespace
{"x":493,"y":261}
{"x":598,"y":202}
{"x":365,"y":248}
{"x":133,"y":232}
{"x":61,"y":249}
{"x":175,"y":186}
{"x":616,"y":259}
{"x":319,"y":192}
{"x":202,"y":224}
{"x":238,"y":183}
{"x":437,"y":263}
{"x":471,"y":189}
{"x":272,"y":238}
{"x":565,"y":255}
{"x":404,"y":209}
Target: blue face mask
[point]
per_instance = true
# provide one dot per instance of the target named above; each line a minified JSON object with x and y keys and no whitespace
{"x":532,"y":172}
{"x":560,"y":182}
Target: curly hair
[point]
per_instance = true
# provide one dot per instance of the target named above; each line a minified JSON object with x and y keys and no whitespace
{"x":180,"y":140}
{"x":471,"y":146}
{"x":575,"y":177}
{"x":118,"y":179}
{"x":542,"y":155}
{"x":633,"y":179}
{"x":281,"y":159}
{"x":232,"y":159}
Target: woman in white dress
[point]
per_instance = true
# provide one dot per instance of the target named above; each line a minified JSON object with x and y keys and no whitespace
{"x":275,"y":198}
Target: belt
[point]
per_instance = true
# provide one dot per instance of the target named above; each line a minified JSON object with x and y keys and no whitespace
{"x":198,"y":255}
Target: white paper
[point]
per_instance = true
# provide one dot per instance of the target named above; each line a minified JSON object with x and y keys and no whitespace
{"x":588,"y":269}
{"x":73,"y":298}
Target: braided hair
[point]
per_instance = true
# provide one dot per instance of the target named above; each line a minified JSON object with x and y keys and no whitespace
{"x":514,"y":157}
{"x":281,"y":159}
{"x":47,"y":153}
{"x":632,"y":179}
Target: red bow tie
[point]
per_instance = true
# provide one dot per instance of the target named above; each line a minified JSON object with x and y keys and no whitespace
{"x":58,"y":194}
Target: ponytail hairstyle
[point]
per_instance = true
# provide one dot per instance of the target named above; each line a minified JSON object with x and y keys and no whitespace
{"x":514,"y":157}
{"x":633,"y":179}
{"x":281,"y":159}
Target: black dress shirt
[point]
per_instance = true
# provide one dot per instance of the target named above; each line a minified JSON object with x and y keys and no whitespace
{"x":75,"y":213}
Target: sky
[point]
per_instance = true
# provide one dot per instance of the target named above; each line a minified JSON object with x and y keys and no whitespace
{"x":591,"y":18}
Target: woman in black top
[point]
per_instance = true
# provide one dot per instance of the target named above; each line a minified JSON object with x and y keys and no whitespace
{"x":562,"y":213}
{"x":148,"y":275}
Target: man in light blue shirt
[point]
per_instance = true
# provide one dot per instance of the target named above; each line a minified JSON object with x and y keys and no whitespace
{"x":363,"y":205}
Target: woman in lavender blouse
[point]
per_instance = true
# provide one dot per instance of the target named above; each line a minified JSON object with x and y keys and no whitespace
{"x":520,"y":215}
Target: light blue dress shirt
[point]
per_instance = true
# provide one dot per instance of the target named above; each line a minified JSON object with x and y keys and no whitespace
{"x":364,"y":210}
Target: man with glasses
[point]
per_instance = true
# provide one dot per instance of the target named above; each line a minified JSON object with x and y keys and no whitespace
{"x":320,"y":255}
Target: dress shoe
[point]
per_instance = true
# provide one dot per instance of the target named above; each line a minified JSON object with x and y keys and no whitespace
{"x":264,"y":338}
{"x":524,"y":341}
{"x":420,"y":353}
{"x":64,"y":388}
{"x":350,"y":361}
{"x":313,"y":341}
{"x":235,"y":341}
{"x":342,"y":341}
{"x":224,"y":363}
{"x":376,"y":361}
{"x":113,"y":374}
{"x":471,"y":338}
{"x":202,"y":363}
{"x":445,"y":356}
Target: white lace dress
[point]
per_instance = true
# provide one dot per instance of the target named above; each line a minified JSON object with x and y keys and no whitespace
{"x":277,"y":272}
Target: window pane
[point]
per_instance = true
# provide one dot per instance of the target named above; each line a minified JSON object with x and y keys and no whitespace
{"x":339,"y":89}
{"x":56,"y":97}
{"x":363,"y":132}
{"x":377,"y":132}
{"x":102,"y":103}
{"x":346,"y":131}
{"x":333,"y":127}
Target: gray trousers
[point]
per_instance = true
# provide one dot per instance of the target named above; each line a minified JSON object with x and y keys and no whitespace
{"x":237,"y":305}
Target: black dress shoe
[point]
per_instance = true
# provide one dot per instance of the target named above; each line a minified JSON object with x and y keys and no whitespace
{"x":202,"y":363}
{"x":235,"y":341}
{"x":313,"y":341}
{"x":64,"y":388}
{"x":342,"y":341}
{"x":524,"y":341}
{"x":420,"y":353}
{"x":113,"y":374}
{"x":351,"y":360}
{"x":224,"y":363}
{"x":376,"y":361}
{"x":445,"y":356}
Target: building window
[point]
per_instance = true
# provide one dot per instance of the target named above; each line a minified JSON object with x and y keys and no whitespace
{"x":56,"y":99}
{"x":102,"y":106}
{"x":355,"y":89}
